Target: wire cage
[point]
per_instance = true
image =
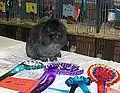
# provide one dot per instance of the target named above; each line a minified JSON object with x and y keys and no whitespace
{"x":82,"y":17}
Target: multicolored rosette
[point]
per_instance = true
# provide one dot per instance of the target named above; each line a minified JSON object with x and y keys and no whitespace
{"x":66,"y":68}
{"x":103,"y":75}
{"x":82,"y":82}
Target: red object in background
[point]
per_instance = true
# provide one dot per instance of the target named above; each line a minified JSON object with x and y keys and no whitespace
{"x":110,"y":22}
{"x":76,"y":13}
{"x":17,"y":84}
{"x":53,"y":8}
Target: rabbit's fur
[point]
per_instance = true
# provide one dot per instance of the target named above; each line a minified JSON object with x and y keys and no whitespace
{"x":45,"y":40}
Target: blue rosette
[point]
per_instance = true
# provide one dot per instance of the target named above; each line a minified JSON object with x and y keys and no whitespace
{"x":82,"y":82}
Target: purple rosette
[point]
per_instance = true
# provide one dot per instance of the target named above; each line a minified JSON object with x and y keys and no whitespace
{"x":66,"y":68}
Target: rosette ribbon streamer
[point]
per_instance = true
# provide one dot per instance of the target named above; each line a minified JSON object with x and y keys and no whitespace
{"x":50,"y":77}
{"x":103,"y":76}
{"x":21,"y":67}
{"x":82,"y":82}
{"x":46,"y":79}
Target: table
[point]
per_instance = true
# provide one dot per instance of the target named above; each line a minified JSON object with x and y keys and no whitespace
{"x":6,"y":42}
{"x":10,"y":47}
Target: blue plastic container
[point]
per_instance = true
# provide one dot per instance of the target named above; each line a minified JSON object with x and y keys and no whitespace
{"x":117,"y":14}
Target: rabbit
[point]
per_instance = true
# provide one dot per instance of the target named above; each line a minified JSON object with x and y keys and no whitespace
{"x":46,"y":40}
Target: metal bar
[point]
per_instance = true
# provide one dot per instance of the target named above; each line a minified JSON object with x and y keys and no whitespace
{"x":97,"y":16}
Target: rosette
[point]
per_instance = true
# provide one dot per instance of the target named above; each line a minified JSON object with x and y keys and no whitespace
{"x":82,"y":82}
{"x":103,"y":76}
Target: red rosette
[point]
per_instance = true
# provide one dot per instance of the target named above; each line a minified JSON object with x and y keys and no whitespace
{"x":103,"y":76}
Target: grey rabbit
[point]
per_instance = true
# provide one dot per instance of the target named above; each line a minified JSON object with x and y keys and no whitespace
{"x":45,"y":40}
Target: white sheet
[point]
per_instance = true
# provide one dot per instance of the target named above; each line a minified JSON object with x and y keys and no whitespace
{"x":10,"y":47}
